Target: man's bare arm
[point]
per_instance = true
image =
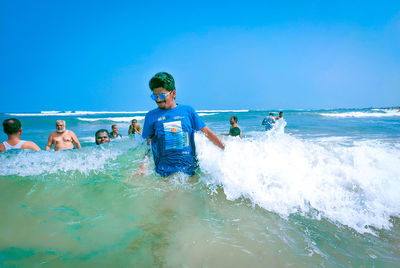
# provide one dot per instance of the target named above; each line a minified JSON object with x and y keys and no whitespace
{"x":75,"y":140}
{"x":212,"y":137}
{"x":49,"y":142}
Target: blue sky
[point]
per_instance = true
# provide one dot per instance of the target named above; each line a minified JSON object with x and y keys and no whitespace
{"x":100,"y":55}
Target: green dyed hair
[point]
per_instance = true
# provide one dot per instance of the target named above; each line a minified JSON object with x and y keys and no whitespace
{"x":162,"y":79}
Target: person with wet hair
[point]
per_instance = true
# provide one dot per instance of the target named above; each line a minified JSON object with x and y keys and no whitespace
{"x":13,"y":128}
{"x":171,"y":128}
{"x":235,"y":129}
{"x":102,"y":136}
{"x":268,"y":121}
{"x":280,"y":116}
{"x":62,"y":138}
{"x":114,"y":132}
{"x":134,"y":128}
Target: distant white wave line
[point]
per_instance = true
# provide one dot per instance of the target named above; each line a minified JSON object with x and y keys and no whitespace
{"x":205,"y":114}
{"x":222,"y":111}
{"x":114,"y":119}
{"x":71,"y":113}
{"x":362,"y":114}
{"x":75,"y":113}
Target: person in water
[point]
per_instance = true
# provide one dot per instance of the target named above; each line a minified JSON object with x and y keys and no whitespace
{"x":114,"y":132}
{"x":235,"y":129}
{"x":62,"y":138}
{"x":13,"y":128}
{"x":102,"y":136}
{"x":280,"y":116}
{"x":134,"y":128}
{"x":171,"y":127}
{"x":268,"y":121}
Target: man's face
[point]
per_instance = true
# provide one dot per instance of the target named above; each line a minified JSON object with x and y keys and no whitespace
{"x":115,"y":129}
{"x":102,"y":137}
{"x":169,"y":101}
{"x":60,"y":127}
{"x":232,"y":121}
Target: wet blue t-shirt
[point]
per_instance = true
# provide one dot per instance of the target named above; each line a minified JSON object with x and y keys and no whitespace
{"x":268,"y":122}
{"x":172,"y":138}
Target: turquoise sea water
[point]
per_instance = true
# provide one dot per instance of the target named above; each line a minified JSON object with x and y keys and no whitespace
{"x":322,"y":191}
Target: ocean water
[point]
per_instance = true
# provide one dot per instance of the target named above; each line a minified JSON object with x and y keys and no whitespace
{"x":319,"y":190}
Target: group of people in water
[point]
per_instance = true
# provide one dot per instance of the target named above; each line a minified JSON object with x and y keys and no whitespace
{"x":61,"y":138}
{"x":268,"y":122}
{"x":169,"y":131}
{"x":103,"y":136}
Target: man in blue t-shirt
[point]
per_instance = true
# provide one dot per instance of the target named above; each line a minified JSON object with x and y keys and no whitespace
{"x":171,"y":128}
{"x":268,"y":121}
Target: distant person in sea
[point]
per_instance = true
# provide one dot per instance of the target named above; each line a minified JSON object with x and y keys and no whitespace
{"x":268,"y":121}
{"x":280,"y":116}
{"x":102,"y":136}
{"x":171,"y":129}
{"x":114,"y":132}
{"x":62,"y":138}
{"x":134,"y":128}
{"x":235,"y":129}
{"x":13,"y":128}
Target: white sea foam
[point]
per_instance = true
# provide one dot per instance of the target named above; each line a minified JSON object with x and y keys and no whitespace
{"x":87,"y":139}
{"x":113,"y":119}
{"x":70,"y":113}
{"x":25,"y":163}
{"x":354,"y":185}
{"x":372,"y":113}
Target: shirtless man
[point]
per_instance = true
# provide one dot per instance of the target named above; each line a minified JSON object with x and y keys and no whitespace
{"x":13,"y":129}
{"x":62,"y":138}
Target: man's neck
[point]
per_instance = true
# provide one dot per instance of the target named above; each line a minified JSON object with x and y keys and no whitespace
{"x":15,"y":138}
{"x":171,"y":107}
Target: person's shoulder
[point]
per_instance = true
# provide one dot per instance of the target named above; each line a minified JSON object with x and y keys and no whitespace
{"x":2,"y":147}
{"x":152,"y":113}
{"x":70,"y":132}
{"x":30,"y":145}
{"x":187,"y":108}
{"x":155,"y":110}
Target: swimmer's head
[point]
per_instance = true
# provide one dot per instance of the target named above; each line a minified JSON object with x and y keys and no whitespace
{"x":280,"y":114}
{"x":102,"y":136}
{"x":60,"y":126}
{"x":164,"y":80}
{"x":271,"y":114}
{"x":233,"y":120}
{"x":12,"y":126}
{"x":114,"y":128}
{"x":134,"y":121}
